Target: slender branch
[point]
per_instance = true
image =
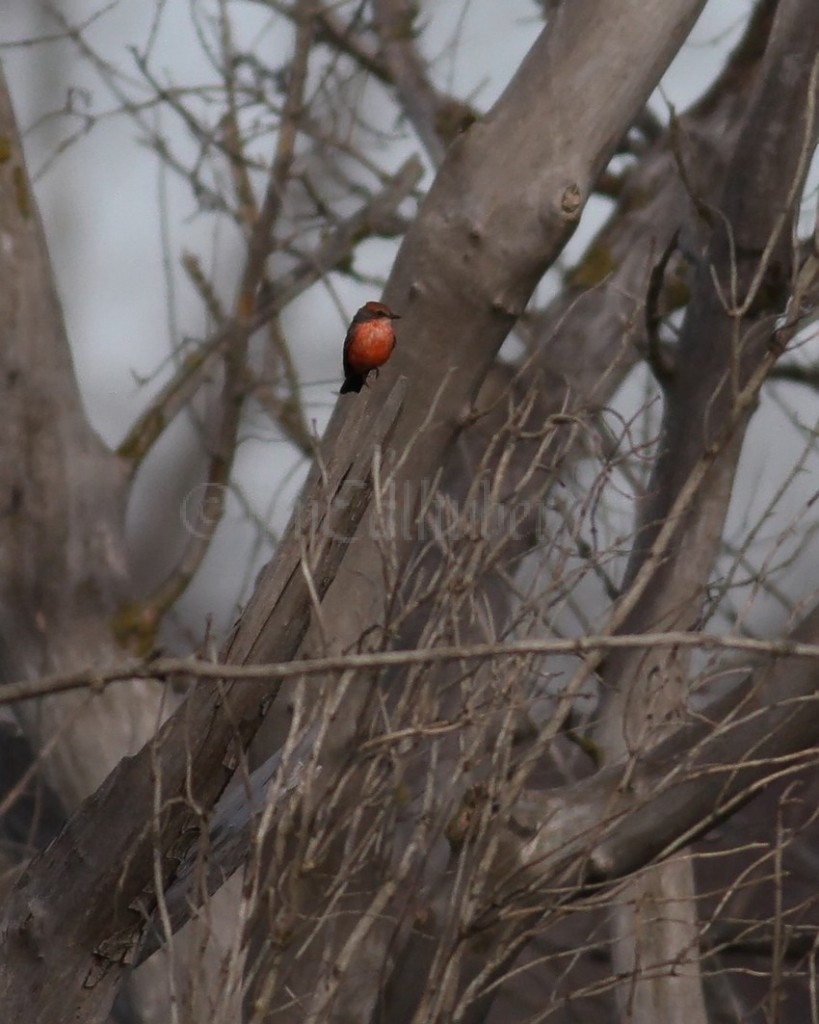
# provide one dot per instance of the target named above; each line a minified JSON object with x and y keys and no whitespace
{"x":211,"y":510}
{"x":792,"y":373}
{"x":264,"y":222}
{"x":394,"y":22}
{"x":582,"y":646}
{"x":657,"y":359}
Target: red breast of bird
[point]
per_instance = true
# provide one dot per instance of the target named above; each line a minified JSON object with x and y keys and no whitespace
{"x":369,"y":344}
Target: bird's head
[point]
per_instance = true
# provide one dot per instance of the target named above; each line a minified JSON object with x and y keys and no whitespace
{"x":375,"y":311}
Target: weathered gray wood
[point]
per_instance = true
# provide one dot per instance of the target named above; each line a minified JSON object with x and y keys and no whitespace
{"x":71,"y":925}
{"x":727,"y":347}
{"x":503,"y":205}
{"x":63,"y":569}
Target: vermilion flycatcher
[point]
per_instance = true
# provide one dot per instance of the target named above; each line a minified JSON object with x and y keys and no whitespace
{"x":368,"y":345}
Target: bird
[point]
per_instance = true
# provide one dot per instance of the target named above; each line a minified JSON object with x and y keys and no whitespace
{"x":369,"y":343}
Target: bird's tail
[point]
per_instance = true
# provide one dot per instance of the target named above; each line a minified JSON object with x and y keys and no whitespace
{"x":352,"y":382}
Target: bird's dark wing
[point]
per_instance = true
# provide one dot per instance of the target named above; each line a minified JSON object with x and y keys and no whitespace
{"x":352,"y":381}
{"x":348,"y":338}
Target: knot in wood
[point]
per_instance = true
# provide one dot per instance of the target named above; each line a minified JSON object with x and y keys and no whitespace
{"x":571,"y":201}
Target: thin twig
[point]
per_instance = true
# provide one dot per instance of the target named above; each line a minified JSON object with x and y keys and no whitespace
{"x":582,"y":646}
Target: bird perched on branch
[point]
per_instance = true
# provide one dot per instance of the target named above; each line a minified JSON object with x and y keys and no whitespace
{"x":368,"y":345}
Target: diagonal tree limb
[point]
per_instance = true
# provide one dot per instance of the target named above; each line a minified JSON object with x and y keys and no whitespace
{"x":598,"y":313}
{"x":63,"y":558}
{"x":394,"y":22}
{"x":713,"y":113}
{"x":727,"y":347}
{"x":573,"y":842}
{"x":455,"y":244}
{"x":88,"y":892}
{"x":597,"y":830}
{"x":64,"y":497}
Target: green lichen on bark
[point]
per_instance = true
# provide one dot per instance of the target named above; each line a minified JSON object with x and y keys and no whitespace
{"x":593,"y":269}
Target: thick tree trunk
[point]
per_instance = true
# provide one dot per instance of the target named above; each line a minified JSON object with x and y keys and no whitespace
{"x":63,"y":564}
{"x":727,"y":347}
{"x":503,"y":205}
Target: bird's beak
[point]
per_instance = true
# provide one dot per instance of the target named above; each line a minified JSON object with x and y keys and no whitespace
{"x":395,"y":316}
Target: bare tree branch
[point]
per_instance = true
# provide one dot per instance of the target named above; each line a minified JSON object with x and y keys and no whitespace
{"x":394,"y":22}
{"x":193,"y":756}
{"x":62,"y":548}
{"x":703,"y":771}
{"x":96,"y":679}
{"x":260,"y":243}
{"x":459,"y":282}
{"x":726,"y":350}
